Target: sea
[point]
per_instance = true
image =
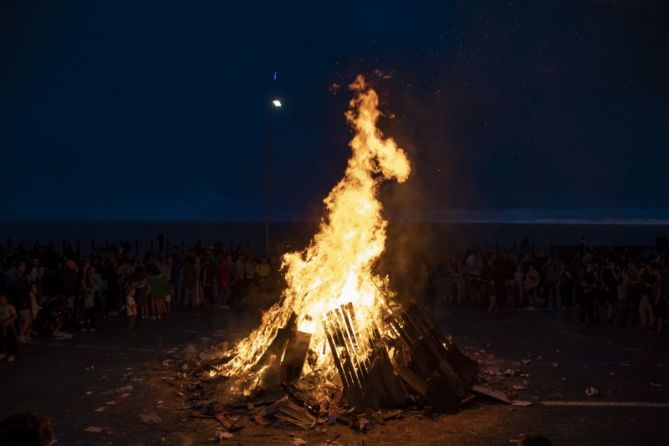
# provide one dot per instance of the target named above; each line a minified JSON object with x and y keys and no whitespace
{"x":447,"y":237}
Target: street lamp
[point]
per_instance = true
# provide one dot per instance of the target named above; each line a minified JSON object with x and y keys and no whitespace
{"x":276,"y":104}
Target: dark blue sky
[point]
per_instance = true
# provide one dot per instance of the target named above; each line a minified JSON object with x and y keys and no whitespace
{"x":158,"y":110}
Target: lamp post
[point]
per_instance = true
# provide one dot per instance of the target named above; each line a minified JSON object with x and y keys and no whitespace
{"x":276,"y":104}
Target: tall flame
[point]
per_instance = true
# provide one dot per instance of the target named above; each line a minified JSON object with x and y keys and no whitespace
{"x":336,"y":268}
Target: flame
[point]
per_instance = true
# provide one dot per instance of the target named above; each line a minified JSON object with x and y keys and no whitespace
{"x":336,"y":267}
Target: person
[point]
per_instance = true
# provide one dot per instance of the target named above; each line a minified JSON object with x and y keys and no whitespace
{"x":518,"y":285}
{"x":189,"y":283}
{"x":632,"y":293}
{"x":207,"y":278}
{"x":264,"y":269}
{"x":499,"y":272}
{"x":141,"y":294}
{"x":26,"y":429}
{"x":96,"y":282}
{"x":131,"y":311}
{"x":113,"y":295}
{"x":160,"y":288}
{"x":24,"y":290}
{"x":588,"y":286}
{"x":551,"y":271}
{"x":609,"y":288}
{"x":88,"y":300}
{"x":566,"y":285}
{"x":71,"y":283}
{"x":660,"y":304}
{"x":474,"y":266}
{"x":8,"y":340}
{"x":648,"y":281}
{"x":250,"y":270}
{"x":458,"y":274}
{"x":224,"y":275}
{"x":532,"y":280}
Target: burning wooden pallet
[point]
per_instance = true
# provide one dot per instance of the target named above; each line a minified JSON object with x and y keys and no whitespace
{"x":432,"y":366}
{"x":424,"y":363}
{"x":412,"y":363}
{"x":364,"y":368}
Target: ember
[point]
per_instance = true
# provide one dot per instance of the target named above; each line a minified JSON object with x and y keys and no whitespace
{"x":338,"y":336}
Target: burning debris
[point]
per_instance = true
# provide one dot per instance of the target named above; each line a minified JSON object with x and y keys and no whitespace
{"x":338,"y":346}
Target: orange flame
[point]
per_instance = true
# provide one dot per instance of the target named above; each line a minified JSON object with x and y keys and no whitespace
{"x":336,"y":268}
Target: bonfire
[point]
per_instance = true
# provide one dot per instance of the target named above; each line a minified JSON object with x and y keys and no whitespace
{"x":338,"y":336}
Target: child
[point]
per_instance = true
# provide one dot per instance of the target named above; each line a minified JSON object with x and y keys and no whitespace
{"x":8,"y":340}
{"x":131,"y":310}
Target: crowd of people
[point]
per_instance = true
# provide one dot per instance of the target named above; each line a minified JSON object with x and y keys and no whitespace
{"x":616,"y":286}
{"x":46,"y":292}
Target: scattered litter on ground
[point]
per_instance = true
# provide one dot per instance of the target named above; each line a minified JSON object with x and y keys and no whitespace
{"x":591,"y":391}
{"x":90,"y":392}
{"x":494,"y":394}
{"x":221,"y":435}
{"x":150,"y":418}
{"x":125,"y":389}
{"x":95,"y":429}
{"x":521,"y":403}
{"x":656,"y":385}
{"x":101,"y":409}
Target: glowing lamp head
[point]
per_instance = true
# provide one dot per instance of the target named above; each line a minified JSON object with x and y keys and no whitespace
{"x":277,"y":103}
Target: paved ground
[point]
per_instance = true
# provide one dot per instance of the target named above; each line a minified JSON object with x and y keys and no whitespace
{"x":559,"y":358}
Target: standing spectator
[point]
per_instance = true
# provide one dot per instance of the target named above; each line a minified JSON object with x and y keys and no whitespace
{"x":141,"y":294}
{"x":531,"y":284}
{"x":589,"y":286}
{"x":96,"y":283}
{"x":632,"y":293}
{"x":7,"y":330}
{"x":661,"y":299}
{"x":160,"y":288}
{"x":88,"y":300}
{"x":519,"y":286}
{"x":71,"y":283}
{"x":458,"y":275}
{"x":609,"y":288}
{"x":131,"y":311}
{"x":112,"y":301}
{"x":648,"y":287}
{"x":474,"y":265}
{"x":250,"y":270}
{"x":566,"y":285}
{"x":224,"y":276}
{"x":23,"y":301}
{"x":208,"y":276}
{"x":189,"y":282}
{"x":264,"y":269}
{"x":552,"y":283}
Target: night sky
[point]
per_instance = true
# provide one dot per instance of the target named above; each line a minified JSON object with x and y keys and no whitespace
{"x":159,"y":110}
